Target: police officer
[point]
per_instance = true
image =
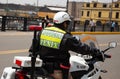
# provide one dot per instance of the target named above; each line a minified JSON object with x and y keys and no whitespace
{"x":55,"y":42}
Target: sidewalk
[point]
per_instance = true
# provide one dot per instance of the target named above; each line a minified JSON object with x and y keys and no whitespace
{"x":98,"y":28}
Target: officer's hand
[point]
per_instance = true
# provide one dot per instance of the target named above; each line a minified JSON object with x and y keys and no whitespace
{"x":96,"y":53}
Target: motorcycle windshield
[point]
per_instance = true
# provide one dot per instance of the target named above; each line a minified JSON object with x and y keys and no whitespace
{"x":90,"y":40}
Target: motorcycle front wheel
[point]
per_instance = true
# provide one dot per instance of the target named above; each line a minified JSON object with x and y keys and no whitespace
{"x":100,"y":77}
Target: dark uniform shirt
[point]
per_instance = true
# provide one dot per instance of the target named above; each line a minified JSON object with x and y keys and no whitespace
{"x":68,"y":43}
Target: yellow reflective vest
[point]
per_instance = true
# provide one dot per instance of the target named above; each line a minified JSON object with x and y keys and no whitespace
{"x":51,"y":37}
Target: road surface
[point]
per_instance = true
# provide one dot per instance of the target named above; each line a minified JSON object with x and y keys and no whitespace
{"x":18,"y":43}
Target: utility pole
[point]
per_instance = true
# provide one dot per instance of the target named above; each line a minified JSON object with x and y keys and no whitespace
{"x":37,"y":7}
{"x":67,"y":6}
{"x":37,"y":3}
{"x":111,"y":9}
{"x":7,"y":8}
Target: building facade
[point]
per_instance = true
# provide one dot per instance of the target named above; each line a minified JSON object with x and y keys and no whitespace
{"x":104,"y":12}
{"x":49,"y":11}
{"x":74,"y":9}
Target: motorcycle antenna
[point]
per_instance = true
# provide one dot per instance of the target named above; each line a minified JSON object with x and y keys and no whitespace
{"x":34,"y":28}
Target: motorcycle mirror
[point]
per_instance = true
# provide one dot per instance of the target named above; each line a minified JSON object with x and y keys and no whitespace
{"x":112,"y":44}
{"x":35,"y":28}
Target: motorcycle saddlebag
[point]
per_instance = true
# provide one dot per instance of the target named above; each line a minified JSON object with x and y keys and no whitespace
{"x":8,"y":73}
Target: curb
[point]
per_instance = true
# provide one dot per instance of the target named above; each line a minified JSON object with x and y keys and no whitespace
{"x":94,"y":33}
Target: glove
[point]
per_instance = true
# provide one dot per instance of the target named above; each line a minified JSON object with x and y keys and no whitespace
{"x":96,"y":53}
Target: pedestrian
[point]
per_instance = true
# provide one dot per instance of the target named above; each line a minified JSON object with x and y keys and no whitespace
{"x":92,"y":25}
{"x":86,"y":24}
{"x":117,"y":26}
{"x":46,"y":20}
{"x":43,"y":23}
{"x":112,"y":26}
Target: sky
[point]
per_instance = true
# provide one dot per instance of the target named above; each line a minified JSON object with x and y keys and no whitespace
{"x":48,"y":2}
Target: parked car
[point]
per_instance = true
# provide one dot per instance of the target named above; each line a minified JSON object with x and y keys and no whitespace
{"x":29,"y":23}
{"x":20,"y":27}
{"x":12,"y":25}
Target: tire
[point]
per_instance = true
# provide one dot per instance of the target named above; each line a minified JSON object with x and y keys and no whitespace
{"x":100,"y":77}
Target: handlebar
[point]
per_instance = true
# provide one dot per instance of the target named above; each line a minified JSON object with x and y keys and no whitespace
{"x":101,"y":56}
{"x":107,"y":56}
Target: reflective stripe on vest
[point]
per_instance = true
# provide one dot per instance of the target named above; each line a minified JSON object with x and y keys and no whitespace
{"x":51,"y":37}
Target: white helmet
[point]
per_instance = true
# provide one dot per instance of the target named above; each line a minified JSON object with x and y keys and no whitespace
{"x":60,"y":17}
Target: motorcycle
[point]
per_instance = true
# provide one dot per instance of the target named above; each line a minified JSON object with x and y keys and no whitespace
{"x":82,"y":66}
{"x":88,"y":66}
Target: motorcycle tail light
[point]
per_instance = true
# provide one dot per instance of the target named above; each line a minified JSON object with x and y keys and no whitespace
{"x":20,"y":75}
{"x":35,"y":27}
{"x":18,"y":62}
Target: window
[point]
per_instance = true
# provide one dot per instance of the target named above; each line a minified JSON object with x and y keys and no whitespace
{"x":82,"y":13}
{"x":116,"y":5}
{"x":88,"y":5}
{"x":104,"y":5}
{"x":99,"y":14}
{"x":117,"y":15}
{"x":88,"y":13}
{"x":95,"y":5}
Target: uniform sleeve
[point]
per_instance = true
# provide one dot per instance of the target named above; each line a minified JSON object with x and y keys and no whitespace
{"x":76,"y":45}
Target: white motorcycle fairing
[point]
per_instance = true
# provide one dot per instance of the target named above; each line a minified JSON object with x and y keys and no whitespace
{"x":8,"y":73}
{"x":94,"y":74}
{"x":80,"y":68}
{"x":78,"y":64}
